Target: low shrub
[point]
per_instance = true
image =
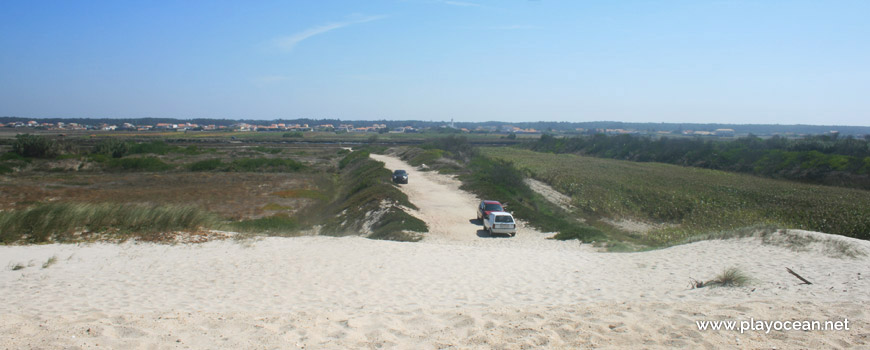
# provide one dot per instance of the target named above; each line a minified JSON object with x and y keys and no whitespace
{"x":280,"y":224}
{"x":138,"y":164}
{"x":731,"y":277}
{"x":205,"y":165}
{"x":35,"y":146}
{"x":112,"y":147}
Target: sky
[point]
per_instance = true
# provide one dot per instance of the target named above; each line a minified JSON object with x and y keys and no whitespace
{"x":693,"y":61}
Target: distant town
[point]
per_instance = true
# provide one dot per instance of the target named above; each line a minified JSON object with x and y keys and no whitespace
{"x":374,"y":128}
{"x":410,"y":126}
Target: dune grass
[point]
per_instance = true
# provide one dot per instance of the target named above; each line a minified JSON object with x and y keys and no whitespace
{"x":276,"y":225}
{"x":51,"y":261}
{"x":731,"y":277}
{"x":364,"y":187}
{"x":694,"y":201}
{"x":771,"y":235}
{"x":60,"y":222}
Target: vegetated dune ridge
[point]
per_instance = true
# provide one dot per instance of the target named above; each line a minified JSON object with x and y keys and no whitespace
{"x":454,"y":289}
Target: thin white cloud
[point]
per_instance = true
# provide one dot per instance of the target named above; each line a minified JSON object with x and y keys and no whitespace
{"x":289,"y":42}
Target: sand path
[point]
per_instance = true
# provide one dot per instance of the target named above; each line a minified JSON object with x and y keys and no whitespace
{"x":450,"y":213}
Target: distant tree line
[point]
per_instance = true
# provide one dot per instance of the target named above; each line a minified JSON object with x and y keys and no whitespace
{"x":821,"y":159}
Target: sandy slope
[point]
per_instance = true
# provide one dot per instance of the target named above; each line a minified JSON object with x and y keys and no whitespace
{"x":455,"y":289}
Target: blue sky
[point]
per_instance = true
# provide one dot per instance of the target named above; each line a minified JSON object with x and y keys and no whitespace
{"x":787,"y":62}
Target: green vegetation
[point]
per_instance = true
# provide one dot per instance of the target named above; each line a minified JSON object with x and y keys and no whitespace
{"x":302,"y":193}
{"x":695,"y":201}
{"x":247,"y":165}
{"x":205,"y":165}
{"x":496,"y":179}
{"x":51,"y":261}
{"x":112,"y":147}
{"x":61,"y":222}
{"x":264,"y":164}
{"x":138,"y":164}
{"x":799,"y":242}
{"x":276,"y":225}
{"x":731,"y":277}
{"x":295,"y":134}
{"x":153,"y":147}
{"x":367,"y":199}
{"x":827,"y":160}
{"x":267,"y":150}
{"x":35,"y":146}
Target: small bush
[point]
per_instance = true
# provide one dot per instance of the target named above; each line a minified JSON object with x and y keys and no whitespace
{"x":731,"y":277}
{"x":112,"y":147}
{"x":51,"y":261}
{"x":205,"y":165}
{"x":295,"y":134}
{"x":139,"y":164}
{"x":397,"y":225}
{"x":35,"y":146}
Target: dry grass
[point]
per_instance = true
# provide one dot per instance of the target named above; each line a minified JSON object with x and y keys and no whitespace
{"x":799,"y":242}
{"x":51,"y":261}
{"x":731,"y":277}
{"x":72,"y":222}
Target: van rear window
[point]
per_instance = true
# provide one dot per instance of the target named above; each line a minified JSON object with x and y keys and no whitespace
{"x":504,"y":218}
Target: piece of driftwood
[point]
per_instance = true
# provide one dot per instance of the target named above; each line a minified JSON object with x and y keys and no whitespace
{"x":798,"y":276}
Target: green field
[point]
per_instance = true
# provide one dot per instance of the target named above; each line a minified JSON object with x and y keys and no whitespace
{"x":692,"y":201}
{"x":117,"y":187}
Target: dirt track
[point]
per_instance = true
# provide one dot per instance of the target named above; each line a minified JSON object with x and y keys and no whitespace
{"x":450,"y":212}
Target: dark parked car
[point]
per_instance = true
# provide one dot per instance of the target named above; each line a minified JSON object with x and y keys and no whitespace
{"x":400,"y":177}
{"x":487,"y":207}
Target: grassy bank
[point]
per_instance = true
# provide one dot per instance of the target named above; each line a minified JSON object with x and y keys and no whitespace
{"x":367,"y":202}
{"x":70,"y":222}
{"x":499,"y":180}
{"x":694,"y":201}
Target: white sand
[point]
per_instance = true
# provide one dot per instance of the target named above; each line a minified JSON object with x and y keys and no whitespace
{"x":455,"y":289}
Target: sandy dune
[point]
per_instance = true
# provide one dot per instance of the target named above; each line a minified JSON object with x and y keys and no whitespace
{"x":455,"y":289}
